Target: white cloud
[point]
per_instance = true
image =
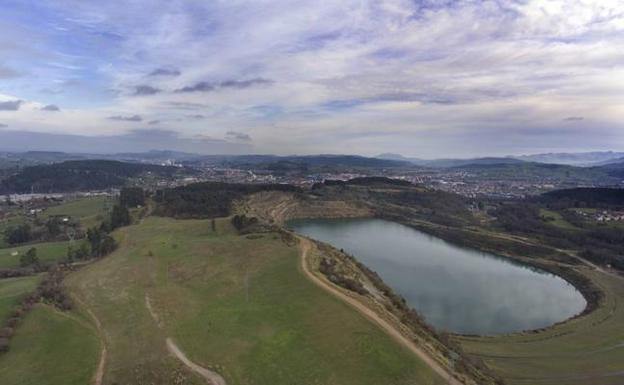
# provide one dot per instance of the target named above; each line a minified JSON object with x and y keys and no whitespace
{"x":439,"y":77}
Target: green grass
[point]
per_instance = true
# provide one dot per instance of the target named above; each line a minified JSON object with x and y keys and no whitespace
{"x":12,"y":290}
{"x":558,"y":220}
{"x":90,"y":211}
{"x":51,"y":348}
{"x":585,"y":351}
{"x":47,"y":252}
{"x":239,"y":305}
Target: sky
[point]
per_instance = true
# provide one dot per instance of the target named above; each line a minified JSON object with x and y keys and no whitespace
{"x":430,"y":79}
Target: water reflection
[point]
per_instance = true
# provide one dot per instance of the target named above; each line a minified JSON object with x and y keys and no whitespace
{"x":455,"y":289}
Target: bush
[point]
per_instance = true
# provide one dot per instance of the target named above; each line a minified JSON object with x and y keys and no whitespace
{"x":4,"y":345}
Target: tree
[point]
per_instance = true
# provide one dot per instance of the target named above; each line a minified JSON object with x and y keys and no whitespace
{"x":100,"y":242}
{"x":132,"y":197}
{"x":53,"y":226}
{"x":120,"y":217}
{"x":19,"y":234}
{"x":30,"y":258}
{"x":82,"y":252}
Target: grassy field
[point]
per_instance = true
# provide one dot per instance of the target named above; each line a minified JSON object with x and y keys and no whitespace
{"x":12,"y":290}
{"x":47,"y":252}
{"x":558,"y":220}
{"x":585,"y":351}
{"x":238,"y":305}
{"x":90,"y":211}
{"x":51,"y":348}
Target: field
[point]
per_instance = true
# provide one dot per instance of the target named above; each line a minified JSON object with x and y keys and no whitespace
{"x":585,"y":351}
{"x":47,"y":252}
{"x":89,"y":211}
{"x":239,"y":305}
{"x":51,"y":347}
{"x":12,"y":290}
{"x":557,"y":219}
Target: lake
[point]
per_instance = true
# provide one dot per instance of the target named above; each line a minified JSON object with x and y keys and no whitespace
{"x":455,"y":289}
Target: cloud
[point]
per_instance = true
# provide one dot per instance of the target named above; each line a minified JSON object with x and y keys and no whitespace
{"x":238,"y":136}
{"x":126,"y":118}
{"x":144,"y":90}
{"x":198,"y":87}
{"x":2,"y":125}
{"x":8,"y":73}
{"x":196,"y":116}
{"x":165,"y":72}
{"x":244,"y":83}
{"x":50,"y":107}
{"x":574,"y":118}
{"x":153,"y":122}
{"x":426,"y":77}
{"x":134,"y":141}
{"x":204,"y":86}
{"x":12,"y":105}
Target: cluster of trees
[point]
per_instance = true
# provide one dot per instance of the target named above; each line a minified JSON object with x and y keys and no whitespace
{"x":78,"y":175}
{"x":599,"y":244}
{"x":18,"y":234}
{"x":30,"y":258}
{"x":363,"y":181}
{"x":328,"y":267}
{"x":208,"y":199}
{"x":243,"y":222}
{"x":132,"y":197}
{"x":53,"y":229}
{"x":584,"y":197}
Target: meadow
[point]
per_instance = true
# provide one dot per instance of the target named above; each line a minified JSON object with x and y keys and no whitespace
{"x":51,"y":347}
{"x":12,"y":290}
{"x":47,"y":252}
{"x":90,"y":211}
{"x":237,"y":304}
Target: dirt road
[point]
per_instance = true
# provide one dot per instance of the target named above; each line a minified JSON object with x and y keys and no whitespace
{"x":306,"y":246}
{"x":212,"y":377}
{"x":99,"y":373}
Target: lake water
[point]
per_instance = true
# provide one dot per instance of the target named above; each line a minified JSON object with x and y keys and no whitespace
{"x":455,"y":289}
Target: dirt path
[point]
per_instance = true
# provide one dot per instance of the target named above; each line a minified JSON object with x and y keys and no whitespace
{"x":306,"y":246}
{"x":99,"y":373}
{"x":212,"y":377}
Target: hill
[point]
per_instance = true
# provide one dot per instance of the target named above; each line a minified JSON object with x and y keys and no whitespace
{"x":574,"y":158}
{"x":308,"y":161}
{"x":550,"y":173}
{"x":77,"y":175}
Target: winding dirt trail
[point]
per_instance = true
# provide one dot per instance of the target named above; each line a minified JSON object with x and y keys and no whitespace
{"x":99,"y":373}
{"x":306,"y":246}
{"x":212,"y":377}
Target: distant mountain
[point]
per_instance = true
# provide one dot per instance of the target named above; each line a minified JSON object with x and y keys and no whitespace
{"x":543,"y":173}
{"x":475,"y":162}
{"x":450,"y":162}
{"x":299,"y":161}
{"x":398,"y":157}
{"x":78,"y":175}
{"x":615,"y":169}
{"x":614,"y":163}
{"x":583,"y":159}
